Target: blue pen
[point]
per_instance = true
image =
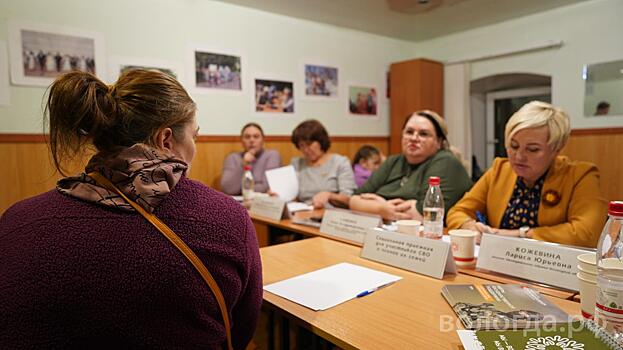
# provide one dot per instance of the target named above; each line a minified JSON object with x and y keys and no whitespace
{"x":370,"y":291}
{"x":481,"y":217}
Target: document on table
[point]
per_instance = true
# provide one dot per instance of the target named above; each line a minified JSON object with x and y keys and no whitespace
{"x":298,"y":206}
{"x":283,"y":182}
{"x":330,"y":286}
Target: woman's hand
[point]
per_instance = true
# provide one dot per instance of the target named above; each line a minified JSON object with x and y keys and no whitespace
{"x":271,"y":193}
{"x":508,"y":233}
{"x":248,"y":157}
{"x":321,"y":199}
{"x":480,"y":228}
{"x":373,"y":196}
{"x":397,"y":209}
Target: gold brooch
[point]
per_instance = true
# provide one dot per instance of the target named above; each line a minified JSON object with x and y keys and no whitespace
{"x":551,"y":197}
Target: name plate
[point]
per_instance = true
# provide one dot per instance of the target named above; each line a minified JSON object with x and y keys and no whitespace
{"x":549,"y":263}
{"x":268,"y":207}
{"x":347,"y":224}
{"x":425,"y":256}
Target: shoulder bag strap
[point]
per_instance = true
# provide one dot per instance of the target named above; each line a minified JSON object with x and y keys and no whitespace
{"x":180,"y":245}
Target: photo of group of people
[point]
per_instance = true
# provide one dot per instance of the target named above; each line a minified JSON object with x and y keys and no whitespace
{"x":217,"y":71}
{"x":321,"y":81}
{"x":274,"y":96}
{"x":49,"y":54}
{"x":40,"y":53}
{"x":362,"y":100}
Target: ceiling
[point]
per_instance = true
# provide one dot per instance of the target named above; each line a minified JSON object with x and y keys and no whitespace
{"x":412,"y":20}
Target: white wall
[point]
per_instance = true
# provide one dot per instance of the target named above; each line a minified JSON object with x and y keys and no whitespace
{"x":591,"y":32}
{"x":272,"y":44}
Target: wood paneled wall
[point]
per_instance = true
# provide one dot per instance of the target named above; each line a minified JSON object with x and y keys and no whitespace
{"x":28,"y":169}
{"x":602,"y":147}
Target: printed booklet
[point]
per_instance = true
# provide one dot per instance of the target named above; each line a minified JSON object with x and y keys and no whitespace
{"x":501,"y":306}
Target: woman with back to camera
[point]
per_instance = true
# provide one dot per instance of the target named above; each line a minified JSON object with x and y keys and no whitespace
{"x":397,"y":189}
{"x":535,"y":192}
{"x":255,"y":155}
{"x":324,"y":178}
{"x":81,"y":268}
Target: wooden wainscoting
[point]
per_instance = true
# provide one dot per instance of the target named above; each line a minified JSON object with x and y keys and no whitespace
{"x":28,"y":169}
{"x":602,"y":147}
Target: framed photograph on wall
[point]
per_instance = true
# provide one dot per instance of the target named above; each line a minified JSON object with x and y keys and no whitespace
{"x":362,"y":100}
{"x":213,"y":70}
{"x":321,"y":81}
{"x":4,"y":75}
{"x":119,"y":65}
{"x":274,"y":96}
{"x":40,"y":52}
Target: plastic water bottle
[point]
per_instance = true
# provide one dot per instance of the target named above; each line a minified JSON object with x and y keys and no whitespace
{"x":609,"y":293}
{"x":433,"y":209}
{"x":248,"y":185}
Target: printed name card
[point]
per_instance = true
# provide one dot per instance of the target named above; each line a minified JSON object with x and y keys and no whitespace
{"x":544,"y":262}
{"x":425,"y":256}
{"x":347,"y":224}
{"x":269,"y":207}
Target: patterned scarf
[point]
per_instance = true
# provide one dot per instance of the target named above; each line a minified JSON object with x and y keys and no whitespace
{"x":143,"y":173}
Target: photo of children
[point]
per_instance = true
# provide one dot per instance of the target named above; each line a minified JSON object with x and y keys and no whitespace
{"x":274,"y":96}
{"x":362,"y":100}
{"x":321,"y":81}
{"x":217,"y":71}
{"x":49,"y":55}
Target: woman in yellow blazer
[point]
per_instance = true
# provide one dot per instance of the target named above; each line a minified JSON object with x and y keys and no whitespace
{"x":536,"y":193}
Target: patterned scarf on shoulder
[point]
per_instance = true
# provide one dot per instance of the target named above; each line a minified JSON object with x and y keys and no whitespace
{"x":143,"y":173}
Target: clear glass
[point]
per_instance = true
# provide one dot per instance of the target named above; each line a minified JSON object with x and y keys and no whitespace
{"x":609,"y":292}
{"x":433,"y":213}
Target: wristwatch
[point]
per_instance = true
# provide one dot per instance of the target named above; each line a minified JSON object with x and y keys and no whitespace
{"x":523,"y":231}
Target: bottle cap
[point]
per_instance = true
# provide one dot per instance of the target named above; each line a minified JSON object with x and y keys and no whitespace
{"x":247,"y":167}
{"x":615,"y":208}
{"x":434,"y":181}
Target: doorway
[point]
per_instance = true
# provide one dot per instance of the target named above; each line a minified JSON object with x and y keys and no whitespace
{"x":501,"y":105}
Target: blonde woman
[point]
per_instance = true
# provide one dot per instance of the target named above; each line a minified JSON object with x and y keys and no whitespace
{"x":535,"y":192}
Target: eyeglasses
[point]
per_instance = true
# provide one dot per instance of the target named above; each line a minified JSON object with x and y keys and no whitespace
{"x":422,"y":134}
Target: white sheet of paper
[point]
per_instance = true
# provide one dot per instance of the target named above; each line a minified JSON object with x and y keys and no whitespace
{"x":299,"y":206}
{"x":283,"y":182}
{"x":330,"y":286}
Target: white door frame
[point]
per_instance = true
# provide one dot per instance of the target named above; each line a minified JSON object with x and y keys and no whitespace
{"x":490,"y":119}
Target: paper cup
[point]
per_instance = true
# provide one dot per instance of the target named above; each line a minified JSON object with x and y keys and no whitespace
{"x":463,"y":245}
{"x":587,"y":262}
{"x":410,"y":227}
{"x":586,"y":270}
{"x":587,"y":276}
{"x":587,"y":297}
{"x":611,"y":264}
